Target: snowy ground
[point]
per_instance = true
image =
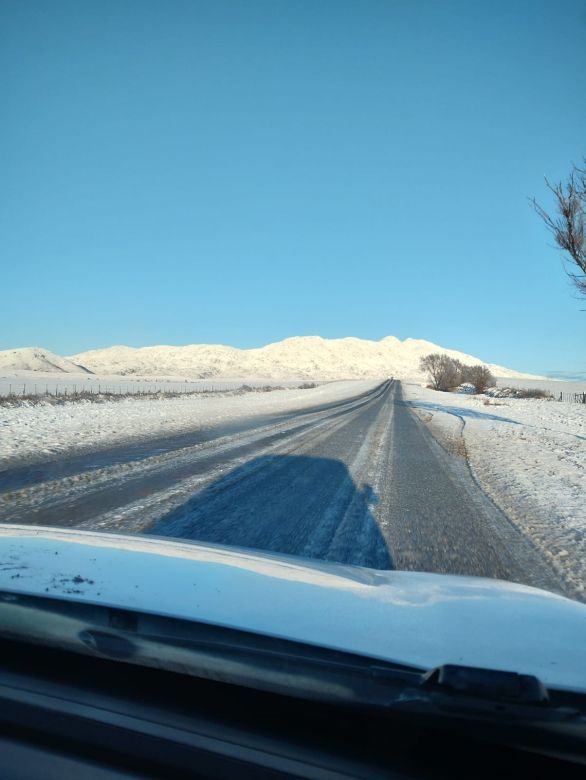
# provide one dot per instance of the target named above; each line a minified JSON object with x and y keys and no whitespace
{"x":554,"y":386}
{"x":43,"y":383}
{"x":35,"y":433}
{"x":356,"y":481}
{"x":530,"y":457}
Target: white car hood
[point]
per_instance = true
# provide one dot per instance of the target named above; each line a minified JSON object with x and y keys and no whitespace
{"x":423,"y":620}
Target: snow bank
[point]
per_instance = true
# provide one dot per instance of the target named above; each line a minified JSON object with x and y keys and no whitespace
{"x":530,"y":457}
{"x":35,"y":433}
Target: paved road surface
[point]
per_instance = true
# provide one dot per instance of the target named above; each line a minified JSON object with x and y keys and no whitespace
{"x":359,"y":481}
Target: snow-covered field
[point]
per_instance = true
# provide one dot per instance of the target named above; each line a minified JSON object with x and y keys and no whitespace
{"x":43,"y":383}
{"x":530,"y":457}
{"x":34,"y":433}
{"x":554,"y":386}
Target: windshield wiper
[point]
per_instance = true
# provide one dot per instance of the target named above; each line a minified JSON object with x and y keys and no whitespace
{"x":511,"y":703}
{"x":490,"y":684}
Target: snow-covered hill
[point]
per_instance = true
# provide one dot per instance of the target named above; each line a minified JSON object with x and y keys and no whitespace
{"x":300,"y":357}
{"x":310,"y":357}
{"x":37,"y":359}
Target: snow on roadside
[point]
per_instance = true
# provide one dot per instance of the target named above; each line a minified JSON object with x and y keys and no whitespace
{"x":40,"y":432}
{"x":530,"y":457}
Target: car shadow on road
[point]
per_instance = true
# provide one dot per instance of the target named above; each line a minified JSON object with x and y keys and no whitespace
{"x":292,"y":504}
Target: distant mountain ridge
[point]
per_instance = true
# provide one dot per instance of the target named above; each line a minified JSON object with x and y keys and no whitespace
{"x":300,"y":357}
{"x":38,"y":359}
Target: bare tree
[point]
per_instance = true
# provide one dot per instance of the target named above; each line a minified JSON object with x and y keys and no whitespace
{"x":480,"y":377}
{"x":444,"y":372}
{"x":432,"y":365}
{"x":569,"y":227}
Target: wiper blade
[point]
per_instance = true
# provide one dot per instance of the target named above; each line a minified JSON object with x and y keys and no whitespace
{"x":291,"y":668}
{"x":490,"y":684}
{"x":200,"y":649}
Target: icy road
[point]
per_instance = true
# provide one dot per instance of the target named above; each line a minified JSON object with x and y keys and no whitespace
{"x":358,"y":481}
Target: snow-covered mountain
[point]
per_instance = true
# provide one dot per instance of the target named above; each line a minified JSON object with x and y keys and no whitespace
{"x":37,"y":359}
{"x":299,"y":357}
{"x":310,"y":357}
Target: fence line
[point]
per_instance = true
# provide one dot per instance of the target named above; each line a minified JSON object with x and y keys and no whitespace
{"x":577,"y":398}
{"x":74,"y":391}
{"x":17,"y":390}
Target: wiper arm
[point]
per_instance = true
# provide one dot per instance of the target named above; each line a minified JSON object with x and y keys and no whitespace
{"x":201,"y":649}
{"x":450,"y":693}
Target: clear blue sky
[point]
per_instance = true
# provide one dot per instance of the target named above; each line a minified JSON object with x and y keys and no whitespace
{"x":232,"y":171}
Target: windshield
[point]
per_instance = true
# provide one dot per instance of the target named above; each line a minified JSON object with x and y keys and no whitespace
{"x":284,"y":281}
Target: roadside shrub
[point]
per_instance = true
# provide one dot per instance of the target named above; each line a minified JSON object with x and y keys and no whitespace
{"x":444,"y":372}
{"x":480,"y":377}
{"x":519,"y":392}
{"x":447,"y":373}
{"x":535,"y":393}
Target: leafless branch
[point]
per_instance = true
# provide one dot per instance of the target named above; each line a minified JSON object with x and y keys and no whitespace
{"x":569,"y":226}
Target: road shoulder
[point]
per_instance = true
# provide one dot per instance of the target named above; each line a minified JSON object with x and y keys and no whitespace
{"x":529,"y":457}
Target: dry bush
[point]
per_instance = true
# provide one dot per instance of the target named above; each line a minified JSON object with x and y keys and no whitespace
{"x":449,"y":374}
{"x":533,"y":392}
{"x":480,"y":377}
{"x":444,"y":372}
{"x":519,"y":392}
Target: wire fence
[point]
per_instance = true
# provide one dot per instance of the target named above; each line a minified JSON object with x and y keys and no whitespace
{"x":53,"y":393}
{"x":576,"y":398}
{"x":56,"y":391}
